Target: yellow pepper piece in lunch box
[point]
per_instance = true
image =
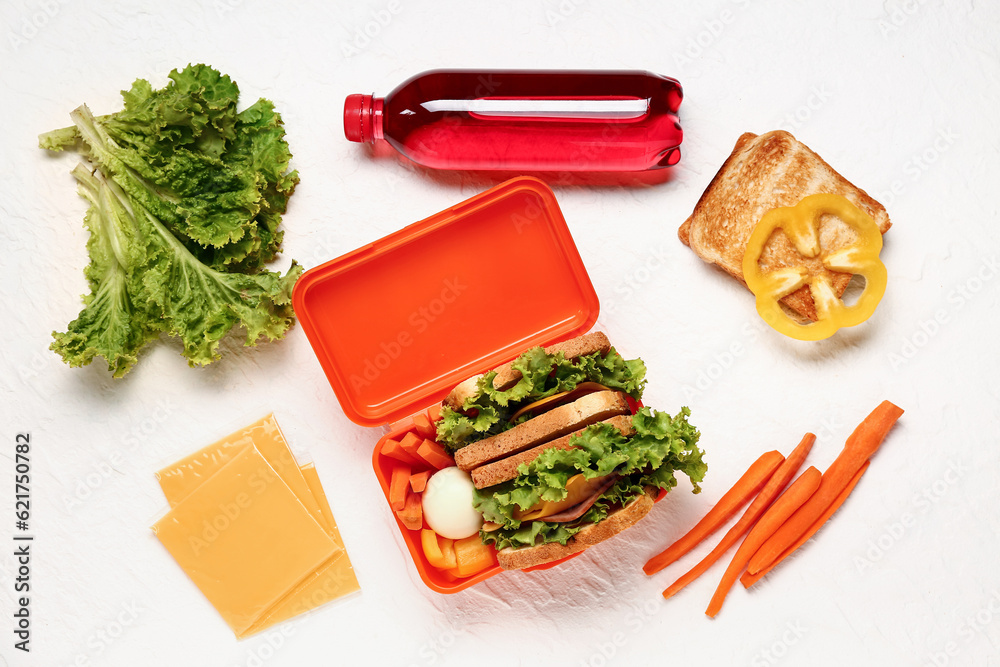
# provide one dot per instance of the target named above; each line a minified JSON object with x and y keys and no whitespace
{"x":801,"y":224}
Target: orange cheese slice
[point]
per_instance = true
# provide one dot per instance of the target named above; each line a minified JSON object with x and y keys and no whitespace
{"x":181,"y":478}
{"x":245,"y":539}
{"x":578,"y":489}
{"x":561,"y":398}
{"x":332,"y":580}
{"x":316,"y":488}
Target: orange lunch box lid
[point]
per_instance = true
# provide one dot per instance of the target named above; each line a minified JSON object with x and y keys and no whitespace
{"x":396,"y":324}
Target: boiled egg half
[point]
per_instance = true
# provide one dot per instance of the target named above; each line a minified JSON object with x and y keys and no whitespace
{"x":447,"y":504}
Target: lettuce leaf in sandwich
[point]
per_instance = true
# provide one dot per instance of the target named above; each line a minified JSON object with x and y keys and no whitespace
{"x":488,"y":411}
{"x":660,"y":446}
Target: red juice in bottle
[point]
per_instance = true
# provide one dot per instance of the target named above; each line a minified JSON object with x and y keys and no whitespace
{"x":599,"y":121}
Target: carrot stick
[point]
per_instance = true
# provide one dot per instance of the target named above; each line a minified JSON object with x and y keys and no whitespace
{"x":393,"y":449}
{"x":798,"y":493}
{"x":412,"y":514}
{"x":779,"y":480}
{"x":423,"y":426}
{"x":746,"y":487}
{"x":749,"y":580}
{"x":434,"y":414}
{"x":409,"y":444}
{"x":860,"y":446}
{"x":418,"y":481}
{"x":435,"y":454}
{"x":399,"y":482}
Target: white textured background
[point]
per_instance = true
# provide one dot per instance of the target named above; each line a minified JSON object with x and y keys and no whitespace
{"x":900,"y":97}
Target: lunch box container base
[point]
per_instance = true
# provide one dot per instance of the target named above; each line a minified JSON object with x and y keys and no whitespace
{"x":396,"y":324}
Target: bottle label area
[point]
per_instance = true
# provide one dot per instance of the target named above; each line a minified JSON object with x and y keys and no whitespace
{"x":560,"y":108}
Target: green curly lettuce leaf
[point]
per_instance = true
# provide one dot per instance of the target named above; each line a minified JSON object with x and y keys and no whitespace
{"x":186,"y":196}
{"x":488,"y":411}
{"x":112,"y":324}
{"x":145,"y":281}
{"x":660,"y":446}
{"x":217,"y":179}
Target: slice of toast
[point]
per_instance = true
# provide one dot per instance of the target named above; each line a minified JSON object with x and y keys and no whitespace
{"x":507,"y":377}
{"x":547,"y":426}
{"x":764,"y":172}
{"x":506,"y":468}
{"x":614,"y":523}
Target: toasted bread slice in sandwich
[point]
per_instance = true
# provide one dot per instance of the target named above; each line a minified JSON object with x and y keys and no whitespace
{"x":614,"y":523}
{"x":555,"y":423}
{"x":507,"y":377}
{"x":506,"y":468}
{"x":765,"y":172}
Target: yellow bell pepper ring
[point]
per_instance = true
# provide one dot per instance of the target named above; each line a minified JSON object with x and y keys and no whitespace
{"x":801,"y":224}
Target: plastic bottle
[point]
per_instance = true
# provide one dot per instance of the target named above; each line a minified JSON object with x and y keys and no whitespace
{"x":602,"y":121}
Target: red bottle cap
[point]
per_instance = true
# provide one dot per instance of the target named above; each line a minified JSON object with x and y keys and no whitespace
{"x":358,"y":118}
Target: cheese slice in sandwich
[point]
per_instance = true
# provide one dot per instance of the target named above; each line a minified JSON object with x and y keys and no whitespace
{"x":507,"y":376}
{"x":496,"y":472}
{"x":578,"y":489}
{"x":537,"y":381}
{"x":510,"y":558}
{"x":555,"y":423}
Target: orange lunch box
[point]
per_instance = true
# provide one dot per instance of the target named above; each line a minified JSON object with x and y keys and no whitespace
{"x":398,"y":323}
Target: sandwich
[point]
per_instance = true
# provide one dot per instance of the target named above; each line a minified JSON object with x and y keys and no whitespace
{"x":560,"y":453}
{"x":765,"y":172}
{"x":485,"y":405}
